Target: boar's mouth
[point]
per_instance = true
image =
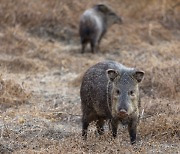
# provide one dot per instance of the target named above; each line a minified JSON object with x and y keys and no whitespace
{"x":122,"y":114}
{"x":120,"y":21}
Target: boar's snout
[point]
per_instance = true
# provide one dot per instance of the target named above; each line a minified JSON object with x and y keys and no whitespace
{"x":122,"y":112}
{"x":119,"y":21}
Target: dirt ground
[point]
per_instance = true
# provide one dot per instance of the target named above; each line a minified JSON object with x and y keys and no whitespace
{"x":41,"y":69}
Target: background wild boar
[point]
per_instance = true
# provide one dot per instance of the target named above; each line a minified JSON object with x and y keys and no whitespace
{"x":110,"y":90}
{"x":94,"y":23}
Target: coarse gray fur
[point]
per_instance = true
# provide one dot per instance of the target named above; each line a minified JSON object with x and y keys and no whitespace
{"x":94,"y":23}
{"x":109,"y":91}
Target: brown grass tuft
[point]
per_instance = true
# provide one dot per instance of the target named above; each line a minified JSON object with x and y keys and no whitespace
{"x":12,"y":94}
{"x":163,"y":82}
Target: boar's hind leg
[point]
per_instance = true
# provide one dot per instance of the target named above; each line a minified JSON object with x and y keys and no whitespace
{"x":132,"y":127}
{"x":99,"y":125}
{"x":114,"y":126}
{"x":86,"y":120}
{"x":85,"y":125}
{"x":93,"y":46}
{"x":84,"y":43}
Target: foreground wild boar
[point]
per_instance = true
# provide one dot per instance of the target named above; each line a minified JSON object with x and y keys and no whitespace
{"x":110,"y":91}
{"x":94,"y":23}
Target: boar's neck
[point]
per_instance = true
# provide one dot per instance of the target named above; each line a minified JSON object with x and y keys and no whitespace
{"x":105,"y":23}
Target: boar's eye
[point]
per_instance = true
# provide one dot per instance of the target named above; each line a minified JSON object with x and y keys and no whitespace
{"x":132,"y":93}
{"x":117,"y":92}
{"x":112,"y":14}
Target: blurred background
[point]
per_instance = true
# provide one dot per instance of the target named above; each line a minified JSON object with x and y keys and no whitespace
{"x":41,"y":68}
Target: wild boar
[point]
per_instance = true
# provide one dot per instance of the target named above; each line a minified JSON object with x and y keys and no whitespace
{"x":94,"y":23}
{"x":110,"y":91}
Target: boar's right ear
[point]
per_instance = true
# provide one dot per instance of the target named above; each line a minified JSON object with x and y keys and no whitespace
{"x":103,"y":8}
{"x":112,"y":74}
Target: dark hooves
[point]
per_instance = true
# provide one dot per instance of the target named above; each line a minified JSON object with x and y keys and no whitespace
{"x":133,"y":142}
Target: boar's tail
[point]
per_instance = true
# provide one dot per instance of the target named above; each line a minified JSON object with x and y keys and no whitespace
{"x":85,"y":32}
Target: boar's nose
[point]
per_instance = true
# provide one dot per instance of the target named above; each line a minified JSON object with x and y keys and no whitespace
{"x":120,"y":20}
{"x":122,"y":111}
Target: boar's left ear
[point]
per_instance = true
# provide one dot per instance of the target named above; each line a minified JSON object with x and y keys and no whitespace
{"x":112,"y":74}
{"x":138,"y":75}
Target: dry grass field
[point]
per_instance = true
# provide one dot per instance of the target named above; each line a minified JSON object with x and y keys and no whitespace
{"x":41,"y":69}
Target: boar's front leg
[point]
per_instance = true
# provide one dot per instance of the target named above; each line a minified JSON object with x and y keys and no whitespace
{"x":114,"y":126}
{"x":132,"y":128}
{"x":99,"y":125}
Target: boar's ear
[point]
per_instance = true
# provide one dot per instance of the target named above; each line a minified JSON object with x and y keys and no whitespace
{"x":112,"y":74}
{"x":103,"y":8}
{"x":138,"y":75}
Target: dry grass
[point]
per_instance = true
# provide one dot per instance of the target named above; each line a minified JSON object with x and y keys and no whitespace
{"x":42,"y":68}
{"x":12,"y":94}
